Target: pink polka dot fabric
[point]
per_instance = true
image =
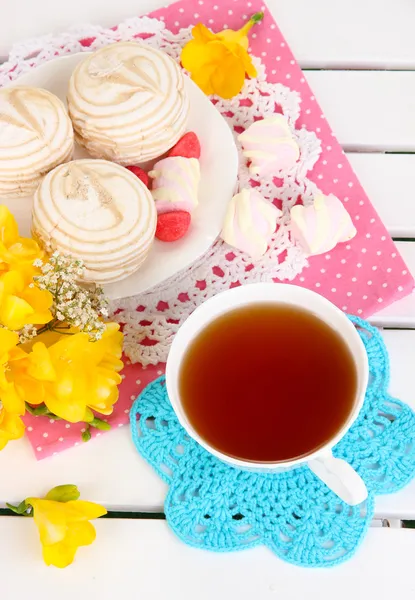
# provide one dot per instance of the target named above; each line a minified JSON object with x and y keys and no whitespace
{"x":360,"y":277}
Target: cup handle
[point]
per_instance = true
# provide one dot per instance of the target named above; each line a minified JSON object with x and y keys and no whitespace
{"x":340,"y":477}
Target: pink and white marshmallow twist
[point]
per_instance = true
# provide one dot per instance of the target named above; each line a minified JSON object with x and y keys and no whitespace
{"x":175,"y":184}
{"x":322,"y":225}
{"x":250,"y":222}
{"x":269,"y":146}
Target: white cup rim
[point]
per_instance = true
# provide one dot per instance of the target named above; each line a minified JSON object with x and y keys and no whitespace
{"x":235,"y":298}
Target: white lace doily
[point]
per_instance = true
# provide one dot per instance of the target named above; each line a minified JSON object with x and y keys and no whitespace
{"x":151,"y":319}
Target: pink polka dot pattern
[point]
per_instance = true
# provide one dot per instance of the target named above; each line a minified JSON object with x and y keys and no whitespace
{"x":352,"y":276}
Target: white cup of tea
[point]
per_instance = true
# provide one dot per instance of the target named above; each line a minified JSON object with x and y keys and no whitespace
{"x":336,"y":473}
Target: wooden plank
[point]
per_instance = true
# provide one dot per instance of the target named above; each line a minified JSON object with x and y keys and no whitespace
{"x":371,"y":34}
{"x":110,"y":471}
{"x":143,"y":559}
{"x":402,"y":312}
{"x":389,"y":181}
{"x":368,"y":110}
{"x":401,"y":347}
{"x":353,"y":34}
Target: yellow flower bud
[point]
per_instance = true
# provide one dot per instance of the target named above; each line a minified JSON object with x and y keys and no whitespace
{"x":64,"y":524}
{"x":219,"y":62}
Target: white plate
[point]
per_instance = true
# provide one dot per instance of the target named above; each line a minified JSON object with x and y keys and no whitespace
{"x":219,"y":169}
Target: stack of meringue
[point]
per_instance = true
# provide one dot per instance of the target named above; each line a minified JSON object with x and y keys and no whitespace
{"x":96,"y":211}
{"x":128,"y":103}
{"x":36,"y":135}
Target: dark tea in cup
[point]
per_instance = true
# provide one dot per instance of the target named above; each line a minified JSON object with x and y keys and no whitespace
{"x":267,"y":382}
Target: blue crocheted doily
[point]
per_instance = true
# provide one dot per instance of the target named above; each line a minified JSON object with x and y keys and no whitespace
{"x":217,"y":507}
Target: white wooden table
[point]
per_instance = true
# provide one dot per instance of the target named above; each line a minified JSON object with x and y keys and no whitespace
{"x":359,"y":58}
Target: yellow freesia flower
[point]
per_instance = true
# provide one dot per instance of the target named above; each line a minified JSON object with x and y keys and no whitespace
{"x":16,"y":253}
{"x":12,"y":405}
{"x":75,"y":375}
{"x":11,"y":426}
{"x":11,"y":359}
{"x":218,"y":62}
{"x":64,"y":526}
{"x":21,"y":304}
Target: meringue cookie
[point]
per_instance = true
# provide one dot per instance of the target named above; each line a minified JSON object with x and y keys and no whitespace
{"x":96,"y":211}
{"x":36,"y":135}
{"x":322,"y":225}
{"x":175,"y":184}
{"x":128,"y":103}
{"x":270,"y":146}
{"x":250,"y":222}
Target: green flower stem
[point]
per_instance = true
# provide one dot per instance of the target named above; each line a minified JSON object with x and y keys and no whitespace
{"x":97,"y":424}
{"x":42,"y":330}
{"x":86,"y":435}
{"x":56,"y":330}
{"x":257,"y":17}
{"x":22,"y":509}
{"x":100,"y":424}
{"x":49,"y":327}
{"x":41,"y":411}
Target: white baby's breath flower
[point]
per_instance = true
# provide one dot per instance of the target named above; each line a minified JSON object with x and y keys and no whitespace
{"x":27,"y":333}
{"x":78,"y":307}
